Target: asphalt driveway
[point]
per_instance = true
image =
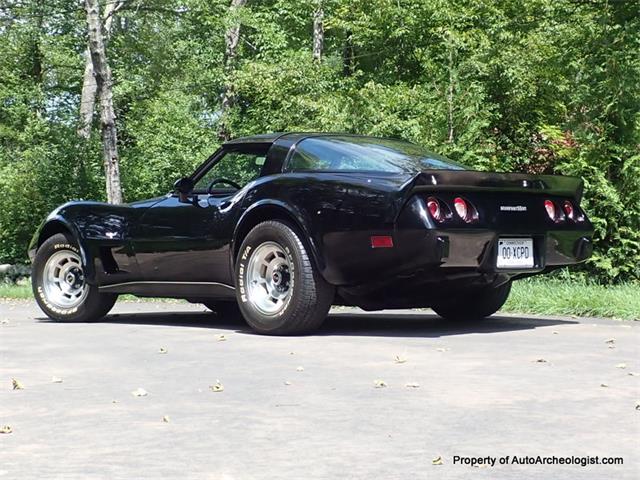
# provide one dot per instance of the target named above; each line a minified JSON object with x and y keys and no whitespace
{"x":382,"y":395}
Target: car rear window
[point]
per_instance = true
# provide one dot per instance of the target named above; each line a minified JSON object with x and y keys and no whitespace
{"x":356,"y":154}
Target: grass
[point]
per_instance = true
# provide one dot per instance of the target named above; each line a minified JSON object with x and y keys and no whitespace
{"x":8,"y":290}
{"x":23,"y":291}
{"x":560,"y":296}
{"x":542,"y":296}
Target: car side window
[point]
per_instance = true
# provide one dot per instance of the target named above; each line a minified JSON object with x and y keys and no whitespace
{"x":238,"y":167}
{"x":310,"y":156}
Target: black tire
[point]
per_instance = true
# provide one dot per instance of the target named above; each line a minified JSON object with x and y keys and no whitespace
{"x":94,"y":306}
{"x":223,"y":309}
{"x":310,"y":295}
{"x":475,"y":305}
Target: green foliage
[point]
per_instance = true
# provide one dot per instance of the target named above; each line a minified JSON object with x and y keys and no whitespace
{"x":540,"y":86}
{"x":169,"y":137}
{"x":563,"y":295}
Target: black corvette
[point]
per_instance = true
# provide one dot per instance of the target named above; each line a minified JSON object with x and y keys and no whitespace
{"x":285,"y":225}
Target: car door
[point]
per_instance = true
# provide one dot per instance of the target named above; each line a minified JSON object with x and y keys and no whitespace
{"x":188,"y":241}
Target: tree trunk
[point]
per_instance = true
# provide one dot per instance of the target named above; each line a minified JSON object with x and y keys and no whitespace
{"x":89,"y":87}
{"x":36,"y":55}
{"x":231,"y":39}
{"x":348,"y":59}
{"x":88,"y":97}
{"x":318,"y":33}
{"x":104,"y":85}
{"x":450,"y":97}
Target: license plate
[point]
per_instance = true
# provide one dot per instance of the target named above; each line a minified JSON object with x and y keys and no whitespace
{"x":515,"y":253}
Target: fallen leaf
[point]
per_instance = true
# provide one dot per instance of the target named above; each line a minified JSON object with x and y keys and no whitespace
{"x":221,"y":338}
{"x":300,"y":369}
{"x":165,"y":419}
{"x":139,"y":392}
{"x":17,"y":385}
{"x":555,"y":332}
{"x":163,"y":350}
{"x":56,"y":379}
{"x":611,"y":340}
{"x":287,"y":382}
{"x":6,"y":429}
{"x":621,"y":365}
{"x":437,"y":460}
{"x":604,"y":385}
{"x":217,"y":387}
{"x":379,"y":383}
{"x":114,"y":401}
{"x":400,"y":359}
{"x":412,"y":385}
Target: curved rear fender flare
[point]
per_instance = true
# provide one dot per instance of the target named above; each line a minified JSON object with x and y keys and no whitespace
{"x":274,"y":209}
{"x":58,"y":224}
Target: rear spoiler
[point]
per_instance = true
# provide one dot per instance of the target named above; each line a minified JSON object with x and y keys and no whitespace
{"x":470,"y":180}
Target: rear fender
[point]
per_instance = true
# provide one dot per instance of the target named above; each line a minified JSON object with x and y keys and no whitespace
{"x":270,"y":209}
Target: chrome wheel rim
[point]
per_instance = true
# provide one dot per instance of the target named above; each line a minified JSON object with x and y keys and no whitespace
{"x":270,"y":279}
{"x":63,"y":279}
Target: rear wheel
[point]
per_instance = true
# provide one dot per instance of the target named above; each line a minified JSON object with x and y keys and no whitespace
{"x":475,"y":305}
{"x":279,"y":290}
{"x":59,"y":285}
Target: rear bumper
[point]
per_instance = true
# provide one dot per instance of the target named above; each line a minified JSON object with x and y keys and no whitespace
{"x":478,"y":250}
{"x":422,"y":269}
{"x":442,"y":254}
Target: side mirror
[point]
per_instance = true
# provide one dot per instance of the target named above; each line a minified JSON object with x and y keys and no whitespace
{"x":184,"y":187}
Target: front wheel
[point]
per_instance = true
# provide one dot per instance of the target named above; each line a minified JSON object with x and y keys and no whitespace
{"x":476,"y":304}
{"x":279,"y":290}
{"x":59,"y":285}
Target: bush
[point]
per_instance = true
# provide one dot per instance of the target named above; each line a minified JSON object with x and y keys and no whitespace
{"x":12,"y":274}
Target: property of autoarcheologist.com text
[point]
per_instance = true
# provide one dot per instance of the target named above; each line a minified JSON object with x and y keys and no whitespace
{"x":492,"y":461}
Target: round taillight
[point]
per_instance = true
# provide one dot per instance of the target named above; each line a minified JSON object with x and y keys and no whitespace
{"x":550,"y":207}
{"x":567,"y":206}
{"x":461,"y":208}
{"x":434,"y":209}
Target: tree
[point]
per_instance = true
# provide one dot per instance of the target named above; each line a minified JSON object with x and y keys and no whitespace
{"x":89,"y":86}
{"x":231,"y":39}
{"x":318,"y":32}
{"x":104,"y":86}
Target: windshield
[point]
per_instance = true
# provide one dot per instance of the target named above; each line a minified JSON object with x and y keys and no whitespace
{"x":352,"y":153}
